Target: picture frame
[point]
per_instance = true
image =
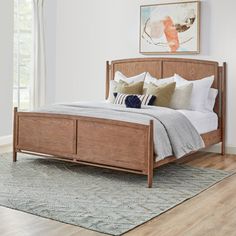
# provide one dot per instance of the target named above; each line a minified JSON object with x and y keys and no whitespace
{"x":170,"y":28}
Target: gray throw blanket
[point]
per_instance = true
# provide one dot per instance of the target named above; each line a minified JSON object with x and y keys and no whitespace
{"x":173,"y":132}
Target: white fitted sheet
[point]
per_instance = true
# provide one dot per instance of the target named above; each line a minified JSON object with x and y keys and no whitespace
{"x":202,"y":121}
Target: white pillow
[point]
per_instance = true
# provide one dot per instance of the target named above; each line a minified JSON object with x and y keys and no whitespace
{"x":211,"y":99}
{"x":181,"y":97}
{"x":112,"y":88}
{"x":137,"y":78}
{"x":149,"y":79}
{"x":200,"y":91}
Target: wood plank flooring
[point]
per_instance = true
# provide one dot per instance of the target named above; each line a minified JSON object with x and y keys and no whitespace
{"x":211,"y":213}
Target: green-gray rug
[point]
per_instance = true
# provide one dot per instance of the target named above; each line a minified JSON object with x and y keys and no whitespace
{"x":107,"y":201}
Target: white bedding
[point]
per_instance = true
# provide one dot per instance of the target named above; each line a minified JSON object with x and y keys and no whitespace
{"x":202,"y":121}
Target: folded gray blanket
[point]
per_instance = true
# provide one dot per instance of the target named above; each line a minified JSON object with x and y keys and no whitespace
{"x":173,"y":132}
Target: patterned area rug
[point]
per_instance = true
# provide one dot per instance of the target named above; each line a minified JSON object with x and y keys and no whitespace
{"x":107,"y":201}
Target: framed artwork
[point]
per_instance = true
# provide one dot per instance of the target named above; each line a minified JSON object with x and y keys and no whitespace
{"x":171,"y":28}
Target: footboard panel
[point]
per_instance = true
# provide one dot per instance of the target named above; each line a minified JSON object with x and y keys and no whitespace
{"x":45,"y":134}
{"x":112,"y":143}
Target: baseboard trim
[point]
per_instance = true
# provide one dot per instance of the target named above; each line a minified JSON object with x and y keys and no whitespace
{"x":6,"y":140}
{"x":217,"y":149}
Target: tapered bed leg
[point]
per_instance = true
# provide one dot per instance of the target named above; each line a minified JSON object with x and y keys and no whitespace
{"x":14,"y":156}
{"x":150,"y":155}
{"x":14,"y":135}
{"x":150,"y":179}
{"x":223,"y":148}
{"x":223,"y":108}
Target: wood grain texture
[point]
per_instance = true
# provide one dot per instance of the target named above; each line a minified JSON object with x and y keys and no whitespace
{"x":223,"y":107}
{"x":107,"y":79}
{"x":54,"y":135}
{"x":212,"y":137}
{"x":210,"y":213}
{"x":112,"y":144}
{"x":150,"y":155}
{"x":16,"y":223}
{"x":135,"y":67}
{"x":85,"y":140}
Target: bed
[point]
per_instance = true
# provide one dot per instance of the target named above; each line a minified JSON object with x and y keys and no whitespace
{"x":104,"y":142}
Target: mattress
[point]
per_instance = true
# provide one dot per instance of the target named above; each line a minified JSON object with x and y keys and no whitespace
{"x":203,"y":122}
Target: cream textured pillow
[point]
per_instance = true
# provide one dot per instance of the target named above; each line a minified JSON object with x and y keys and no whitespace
{"x":120,"y":78}
{"x":162,"y":92}
{"x":122,"y":87}
{"x":181,"y":97}
{"x":137,"y":78}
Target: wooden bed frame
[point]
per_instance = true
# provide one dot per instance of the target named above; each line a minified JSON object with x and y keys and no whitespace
{"x":114,"y":144}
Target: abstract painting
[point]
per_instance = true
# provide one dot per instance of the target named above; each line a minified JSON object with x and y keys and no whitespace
{"x":171,"y":28}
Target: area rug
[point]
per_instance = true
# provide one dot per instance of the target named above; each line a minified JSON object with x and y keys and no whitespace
{"x":107,"y":201}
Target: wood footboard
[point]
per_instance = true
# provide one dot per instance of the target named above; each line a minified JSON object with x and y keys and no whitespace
{"x":106,"y":143}
{"x":91,"y":141}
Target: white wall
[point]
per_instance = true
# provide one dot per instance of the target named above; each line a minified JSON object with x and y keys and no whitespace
{"x":6,"y":68}
{"x":91,"y":32}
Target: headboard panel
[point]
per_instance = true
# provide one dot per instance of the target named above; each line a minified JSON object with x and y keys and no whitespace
{"x":137,"y":66}
{"x":189,"y":69}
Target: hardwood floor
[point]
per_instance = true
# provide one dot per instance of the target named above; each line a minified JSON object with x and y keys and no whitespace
{"x":213,"y":212}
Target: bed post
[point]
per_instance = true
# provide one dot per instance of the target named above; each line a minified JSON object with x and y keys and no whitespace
{"x":223,"y":108}
{"x":150,"y":154}
{"x":14,"y":135}
{"x":107,"y":79}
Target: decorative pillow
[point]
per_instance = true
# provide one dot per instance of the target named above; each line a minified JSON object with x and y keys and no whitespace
{"x":113,"y":89}
{"x":149,"y":79}
{"x":181,"y":97}
{"x":200,"y":91}
{"x":133,"y":88}
{"x":137,"y":78}
{"x":211,"y":99}
{"x":120,"y":78}
{"x":134,"y":101}
{"x":162,"y":92}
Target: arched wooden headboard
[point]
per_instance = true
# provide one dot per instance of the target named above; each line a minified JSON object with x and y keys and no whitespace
{"x":189,"y":69}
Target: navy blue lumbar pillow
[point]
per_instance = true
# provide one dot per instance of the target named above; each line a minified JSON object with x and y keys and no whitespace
{"x":134,"y":100}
